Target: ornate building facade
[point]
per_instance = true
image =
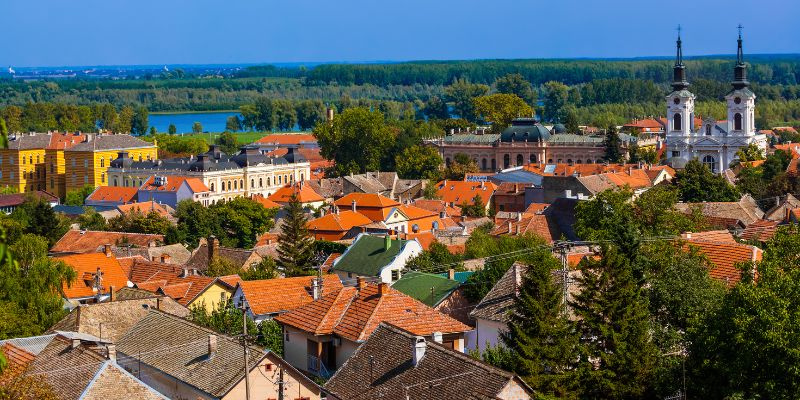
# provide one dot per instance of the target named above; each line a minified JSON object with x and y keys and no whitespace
{"x":715,"y":143}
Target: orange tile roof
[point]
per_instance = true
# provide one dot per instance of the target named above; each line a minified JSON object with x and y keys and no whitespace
{"x":61,"y":141}
{"x":270,"y":296}
{"x":724,"y":257}
{"x":536,"y":224}
{"x":456,"y":248}
{"x":168,"y":279}
{"x":340,"y":222}
{"x":581,"y":169}
{"x":438,"y":206}
{"x":174,"y":183}
{"x":304,"y":193}
{"x":113,"y":194}
{"x":424,"y":238}
{"x":16,"y":355}
{"x":716,"y":236}
{"x":328,"y":263}
{"x":86,"y":266}
{"x":143,"y":207}
{"x":458,"y":192}
{"x":286,"y":139}
{"x":536,"y":208}
{"x":648,"y":124}
{"x":75,"y":241}
{"x":791,"y":148}
{"x":267,"y":203}
{"x":761,"y":230}
{"x":354,"y":314}
{"x":312,"y":155}
{"x":413,"y":213}
{"x":266,"y":239}
{"x":372,"y":200}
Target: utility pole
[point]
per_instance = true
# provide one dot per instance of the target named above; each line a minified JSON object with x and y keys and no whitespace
{"x":244,"y":306}
{"x":562,"y":249}
{"x":280,"y":385}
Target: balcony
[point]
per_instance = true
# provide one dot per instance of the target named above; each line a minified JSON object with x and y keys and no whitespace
{"x":318,"y":368}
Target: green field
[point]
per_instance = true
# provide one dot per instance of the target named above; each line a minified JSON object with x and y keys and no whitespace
{"x":242,"y":137}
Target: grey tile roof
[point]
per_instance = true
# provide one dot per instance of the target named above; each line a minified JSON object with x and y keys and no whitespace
{"x":29,"y":141}
{"x":497,"y":303}
{"x":110,"y":142}
{"x":745,"y":210}
{"x":382,"y":368}
{"x":188,"y":358}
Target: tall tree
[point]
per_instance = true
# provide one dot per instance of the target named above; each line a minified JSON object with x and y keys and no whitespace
{"x":233,"y":124}
{"x":285,"y":115}
{"x":571,"y":120}
{"x":264,"y":114}
{"x":461,"y":93}
{"x":613,"y":145}
{"x":172,"y":129}
{"x":617,"y":355}
{"x":309,"y":113}
{"x":197,"y":127}
{"x":357,"y":140}
{"x":696,"y":183}
{"x":555,"y":101}
{"x":539,"y":335}
{"x":516,"y":84}
{"x":140,"y":121}
{"x":419,"y":162}
{"x":436,"y":108}
{"x":500,"y":109}
{"x":228,"y":142}
{"x":124,"y":122}
{"x":295,"y":244}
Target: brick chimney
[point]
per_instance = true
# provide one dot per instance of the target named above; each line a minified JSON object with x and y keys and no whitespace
{"x":212,"y":345}
{"x":362,"y":283}
{"x":383,"y":288}
{"x":451,"y":274}
{"x":107,"y":249}
{"x":213,"y":247}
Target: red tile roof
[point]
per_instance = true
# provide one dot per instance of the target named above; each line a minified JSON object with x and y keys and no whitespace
{"x":458,"y":192}
{"x":536,"y":208}
{"x":86,"y":266}
{"x":61,"y":141}
{"x":717,"y":236}
{"x":168,"y":279}
{"x":144,"y":207}
{"x":725,"y":256}
{"x":174,"y":183}
{"x":304,"y":193}
{"x":372,"y":200}
{"x":354,"y":314}
{"x":114,"y":194}
{"x":271,"y":296}
{"x":536,"y":224}
{"x":16,"y":355}
{"x":438,"y":206}
{"x":762,"y":230}
{"x":425,"y":239}
{"x":413,"y":213}
{"x":287,"y":139}
{"x":267,"y":203}
{"x":75,"y":241}
{"x":341,"y":222}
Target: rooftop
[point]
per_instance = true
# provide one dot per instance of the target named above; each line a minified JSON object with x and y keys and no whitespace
{"x":272,"y":296}
{"x":305,"y":194}
{"x":500,"y":299}
{"x":368,"y":255}
{"x":173,"y":183}
{"x":430,"y":289}
{"x":114,"y":194}
{"x":86,"y":267}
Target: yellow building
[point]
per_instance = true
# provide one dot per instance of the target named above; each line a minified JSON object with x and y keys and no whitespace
{"x":87,"y":163}
{"x":24,"y":165}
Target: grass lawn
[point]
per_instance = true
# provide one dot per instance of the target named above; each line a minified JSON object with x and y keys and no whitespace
{"x":241,"y":137}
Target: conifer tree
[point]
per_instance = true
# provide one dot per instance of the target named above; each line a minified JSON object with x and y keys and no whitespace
{"x":617,"y":355}
{"x":539,"y":334}
{"x":295,"y":244}
{"x":613,"y":144}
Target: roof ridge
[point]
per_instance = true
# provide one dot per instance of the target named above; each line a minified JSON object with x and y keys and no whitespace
{"x":372,"y":314}
{"x":346,"y":307}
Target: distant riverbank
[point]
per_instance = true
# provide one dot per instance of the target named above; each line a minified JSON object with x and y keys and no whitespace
{"x":212,"y":121}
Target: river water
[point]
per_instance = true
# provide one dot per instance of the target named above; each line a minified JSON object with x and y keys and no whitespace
{"x":211,"y":121}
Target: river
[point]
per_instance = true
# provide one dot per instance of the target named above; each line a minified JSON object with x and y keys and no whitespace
{"x":211,"y":121}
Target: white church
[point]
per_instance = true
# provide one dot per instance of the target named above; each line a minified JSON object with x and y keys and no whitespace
{"x":714,"y":143}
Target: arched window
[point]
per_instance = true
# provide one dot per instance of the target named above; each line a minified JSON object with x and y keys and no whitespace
{"x":241,"y":183}
{"x":269,"y":181}
{"x":494,"y":164}
{"x":569,"y":161}
{"x":252,"y":183}
{"x":677,"y":122}
{"x":708,"y":130}
{"x":229,"y":186}
{"x":115,"y":182}
{"x":212,"y":186}
{"x":506,"y":161}
{"x":532,"y":158}
{"x":737,"y":122}
{"x":280,"y":179}
{"x":235,"y":185}
{"x":520,"y":160}
{"x":709,"y":162}
{"x":549,"y":160}
{"x":578,"y":161}
{"x":261,"y":182}
{"x":483,"y":164}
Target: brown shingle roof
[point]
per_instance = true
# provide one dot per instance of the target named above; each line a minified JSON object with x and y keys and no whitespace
{"x":353,"y":314}
{"x":110,"y":142}
{"x":745,"y":210}
{"x":496,"y":304}
{"x":382,"y":368}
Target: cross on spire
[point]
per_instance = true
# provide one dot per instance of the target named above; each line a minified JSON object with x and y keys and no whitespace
{"x":739,"y":54}
{"x":679,"y":54}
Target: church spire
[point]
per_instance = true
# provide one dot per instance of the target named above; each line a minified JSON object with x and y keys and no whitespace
{"x":679,"y":81}
{"x":740,"y":70}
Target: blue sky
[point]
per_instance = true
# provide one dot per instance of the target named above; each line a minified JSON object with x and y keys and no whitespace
{"x":113,"y":32}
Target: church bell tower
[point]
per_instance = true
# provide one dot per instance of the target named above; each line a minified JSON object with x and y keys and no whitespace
{"x":741,"y":100}
{"x":680,"y":103}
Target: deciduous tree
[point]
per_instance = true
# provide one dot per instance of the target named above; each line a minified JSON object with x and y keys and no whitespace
{"x":500,"y":109}
{"x":357,"y":140}
{"x":419,"y":162}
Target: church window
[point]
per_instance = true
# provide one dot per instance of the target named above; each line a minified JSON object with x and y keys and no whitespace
{"x":708,"y":130}
{"x":737,"y":100}
{"x":676,"y":100}
{"x":677,"y":123}
{"x":737,"y":122}
{"x":519,"y":160}
{"x":533,"y":158}
{"x":676,"y":153}
{"x":261,"y":182}
{"x":483,"y":164}
{"x":709,"y":162}
{"x":506,"y":161}
{"x":252,"y":183}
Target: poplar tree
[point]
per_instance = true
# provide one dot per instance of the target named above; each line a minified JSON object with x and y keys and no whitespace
{"x":539,"y":335}
{"x":617,"y":355}
{"x":295,"y":244}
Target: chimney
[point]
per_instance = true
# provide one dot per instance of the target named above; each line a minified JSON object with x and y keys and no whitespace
{"x":437,"y":337}
{"x":451,"y":274}
{"x":111,"y":352}
{"x":212,"y":345}
{"x":213,"y":247}
{"x":165,"y":258}
{"x":519,"y":216}
{"x":509,"y":226}
{"x":353,"y":205}
{"x":76,"y":343}
{"x":111,"y":293}
{"x":316,"y":289}
{"x":419,"y":349}
{"x":387,"y":242}
{"x":107,"y":250}
{"x":687,"y":235}
{"x":362,"y":283}
{"x":158,"y":303}
{"x":383,"y":288}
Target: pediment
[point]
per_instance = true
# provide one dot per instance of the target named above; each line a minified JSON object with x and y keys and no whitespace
{"x":707,"y":141}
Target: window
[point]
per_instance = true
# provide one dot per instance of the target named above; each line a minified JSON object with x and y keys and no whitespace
{"x":103,"y":177}
{"x":74,"y":163}
{"x":86,"y":179}
{"x":519,"y":160}
{"x":235,"y":185}
{"x":494,"y":164}
{"x":261,"y":182}
{"x":37,"y":158}
{"x":102,"y":162}
{"x":252,"y":183}
{"x":212,"y":187}
{"x":23,"y":160}
{"x":269,"y":181}
{"x":708,"y":130}
{"x":241,"y":183}
{"x":709,"y":162}
{"x":52,"y":168}
{"x":677,"y":123}
{"x":115,"y":181}
{"x":395,"y":275}
{"x":86,"y":163}
{"x":737,"y":122}
{"x":506,"y":161}
{"x":140,"y":158}
{"x":676,"y":153}
{"x":280,"y":178}
{"x":30,"y":159}
{"x":286,"y":336}
{"x":532,"y":158}
{"x":52,"y":183}
{"x":447,"y":161}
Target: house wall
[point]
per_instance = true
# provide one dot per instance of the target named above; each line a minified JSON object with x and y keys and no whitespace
{"x":24,"y":177}
{"x":487,"y":332}
{"x":91,"y":167}
{"x":56,"y":169}
{"x":513,"y":391}
{"x":411,"y":249}
{"x":264,"y":384}
{"x":210,"y":297}
{"x":295,"y":351}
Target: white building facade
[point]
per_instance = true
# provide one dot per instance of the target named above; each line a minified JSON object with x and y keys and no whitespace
{"x":714,"y":143}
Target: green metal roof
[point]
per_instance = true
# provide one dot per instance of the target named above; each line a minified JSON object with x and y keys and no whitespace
{"x":368,"y":255}
{"x":471,"y":138}
{"x":567,"y":138}
{"x":427,"y":288}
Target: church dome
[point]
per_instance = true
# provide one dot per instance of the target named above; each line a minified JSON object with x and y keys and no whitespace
{"x":525,"y":130}
{"x":559,"y":128}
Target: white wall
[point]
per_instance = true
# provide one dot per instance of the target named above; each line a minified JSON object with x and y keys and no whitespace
{"x":487,"y":331}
